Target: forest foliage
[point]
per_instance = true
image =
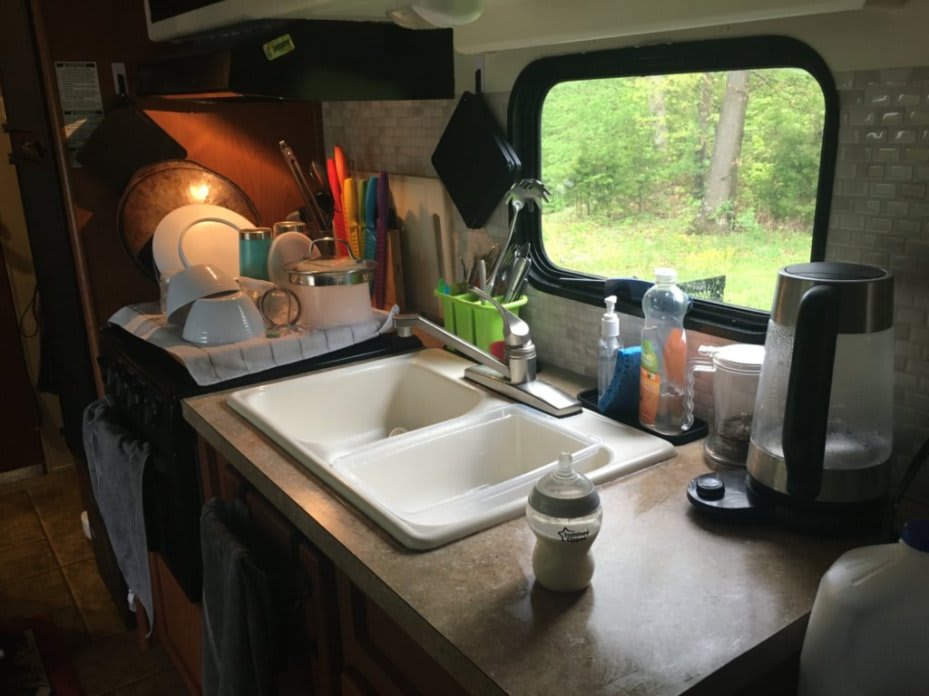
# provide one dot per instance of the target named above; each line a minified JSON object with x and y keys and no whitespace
{"x":641,"y":145}
{"x":635,"y":152}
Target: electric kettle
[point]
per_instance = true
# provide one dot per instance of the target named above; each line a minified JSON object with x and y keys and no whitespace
{"x":822,"y":429}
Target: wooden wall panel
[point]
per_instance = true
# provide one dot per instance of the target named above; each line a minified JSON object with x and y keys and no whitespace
{"x":240,"y":141}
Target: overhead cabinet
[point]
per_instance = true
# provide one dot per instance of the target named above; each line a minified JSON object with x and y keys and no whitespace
{"x":309,"y":59}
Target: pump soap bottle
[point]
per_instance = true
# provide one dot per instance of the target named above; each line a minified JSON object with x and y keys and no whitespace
{"x":608,"y":347}
{"x":564,"y":512}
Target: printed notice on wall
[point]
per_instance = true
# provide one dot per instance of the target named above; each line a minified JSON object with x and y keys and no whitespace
{"x":81,"y":103}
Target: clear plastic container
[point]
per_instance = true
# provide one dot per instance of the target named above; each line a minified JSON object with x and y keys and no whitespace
{"x":663,"y":378}
{"x":869,"y":628}
{"x":564,"y":513}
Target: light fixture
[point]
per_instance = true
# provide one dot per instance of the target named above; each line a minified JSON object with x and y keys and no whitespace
{"x":430,"y":14}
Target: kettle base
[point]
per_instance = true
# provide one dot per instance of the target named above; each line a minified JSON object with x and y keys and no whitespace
{"x":733,"y":496}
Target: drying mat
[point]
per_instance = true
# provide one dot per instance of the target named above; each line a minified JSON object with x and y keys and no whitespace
{"x":213,"y":364}
{"x":34,"y":660}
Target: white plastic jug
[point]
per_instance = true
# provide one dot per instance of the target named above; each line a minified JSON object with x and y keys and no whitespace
{"x":869,"y":629}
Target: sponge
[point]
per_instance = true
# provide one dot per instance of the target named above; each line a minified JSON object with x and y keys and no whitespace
{"x":621,"y":398}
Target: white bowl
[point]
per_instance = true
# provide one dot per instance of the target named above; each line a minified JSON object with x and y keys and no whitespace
{"x":190,"y":284}
{"x":228,"y":318}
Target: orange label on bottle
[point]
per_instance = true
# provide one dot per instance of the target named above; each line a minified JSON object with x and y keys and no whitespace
{"x":649,"y":391}
{"x":675,"y":357}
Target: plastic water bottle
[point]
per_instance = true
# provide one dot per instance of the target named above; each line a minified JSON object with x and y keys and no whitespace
{"x":662,"y":382}
{"x":607,"y":347}
{"x":869,"y":628}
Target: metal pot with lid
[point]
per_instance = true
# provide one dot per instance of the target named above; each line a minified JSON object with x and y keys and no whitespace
{"x":333,"y":290}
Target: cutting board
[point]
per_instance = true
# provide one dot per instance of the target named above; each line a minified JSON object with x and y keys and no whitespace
{"x":427,"y":240}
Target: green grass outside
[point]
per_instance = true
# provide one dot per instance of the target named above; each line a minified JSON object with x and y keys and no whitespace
{"x":749,"y":259}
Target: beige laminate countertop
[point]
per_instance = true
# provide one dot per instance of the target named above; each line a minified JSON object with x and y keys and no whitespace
{"x":677,"y":602}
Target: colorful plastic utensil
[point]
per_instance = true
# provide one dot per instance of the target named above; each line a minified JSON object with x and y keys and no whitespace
{"x":338,"y":218}
{"x":360,"y":184}
{"x":380,"y":255}
{"x":349,"y":210}
{"x":370,"y":223}
{"x":341,"y":163}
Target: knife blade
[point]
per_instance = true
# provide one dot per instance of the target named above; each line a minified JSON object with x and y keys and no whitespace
{"x":349,"y":206}
{"x":380,"y":254}
{"x":360,"y":183}
{"x":341,"y":163}
{"x":338,"y":217}
{"x":370,"y":224}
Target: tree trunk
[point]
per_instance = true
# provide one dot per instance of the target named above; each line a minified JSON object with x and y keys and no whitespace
{"x":724,"y":165}
{"x":656,"y":104}
{"x":703,"y":124}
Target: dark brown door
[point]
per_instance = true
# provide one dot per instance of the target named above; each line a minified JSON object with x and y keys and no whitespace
{"x":19,"y":417}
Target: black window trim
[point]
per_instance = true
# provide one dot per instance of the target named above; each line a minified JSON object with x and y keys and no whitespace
{"x":524,"y":124}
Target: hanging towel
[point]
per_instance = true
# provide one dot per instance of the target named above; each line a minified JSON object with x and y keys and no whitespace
{"x":238,"y":638}
{"x":116,"y":462}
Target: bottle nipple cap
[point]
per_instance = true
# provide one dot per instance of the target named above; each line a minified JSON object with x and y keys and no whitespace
{"x":564,"y":492}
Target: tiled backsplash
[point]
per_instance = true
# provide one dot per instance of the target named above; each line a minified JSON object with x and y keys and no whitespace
{"x":880,"y":215}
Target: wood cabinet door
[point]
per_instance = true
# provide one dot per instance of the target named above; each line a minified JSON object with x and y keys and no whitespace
{"x":379,"y":657}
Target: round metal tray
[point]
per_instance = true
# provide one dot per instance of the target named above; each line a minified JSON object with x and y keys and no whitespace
{"x":157,"y":189}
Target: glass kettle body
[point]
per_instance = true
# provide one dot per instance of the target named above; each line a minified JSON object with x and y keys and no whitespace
{"x":823,"y":421}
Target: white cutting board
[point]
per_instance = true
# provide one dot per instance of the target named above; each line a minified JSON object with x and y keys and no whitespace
{"x":427,"y":217}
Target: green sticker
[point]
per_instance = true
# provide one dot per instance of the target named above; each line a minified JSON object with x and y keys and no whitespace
{"x":281,"y":46}
{"x":650,"y":359}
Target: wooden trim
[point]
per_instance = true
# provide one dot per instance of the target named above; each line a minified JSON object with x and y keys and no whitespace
{"x":50,"y":87}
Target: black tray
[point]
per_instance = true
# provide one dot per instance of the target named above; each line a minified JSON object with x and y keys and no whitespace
{"x":588,"y":399}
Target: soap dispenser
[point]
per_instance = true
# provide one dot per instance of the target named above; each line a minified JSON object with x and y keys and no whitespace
{"x":564,"y":513}
{"x":608,"y":347}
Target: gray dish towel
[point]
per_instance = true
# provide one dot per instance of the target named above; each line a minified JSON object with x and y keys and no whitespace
{"x":238,"y":638}
{"x":116,"y":462}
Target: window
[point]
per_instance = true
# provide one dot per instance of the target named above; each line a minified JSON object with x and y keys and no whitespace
{"x":715,"y":158}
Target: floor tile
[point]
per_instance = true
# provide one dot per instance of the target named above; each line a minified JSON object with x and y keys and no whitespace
{"x":72,"y":546}
{"x":41,"y":536}
{"x":110,"y":662}
{"x":19,"y":521}
{"x":92,"y":598}
{"x":57,"y":499}
{"x":58,"y":504}
{"x":160,"y":684}
{"x":26,"y":560}
{"x":39,"y":595}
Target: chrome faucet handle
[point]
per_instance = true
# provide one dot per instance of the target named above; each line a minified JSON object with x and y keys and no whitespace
{"x":515,"y":330}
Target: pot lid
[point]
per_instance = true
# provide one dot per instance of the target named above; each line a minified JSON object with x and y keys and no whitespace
{"x":331,"y":271}
{"x":743,"y":357}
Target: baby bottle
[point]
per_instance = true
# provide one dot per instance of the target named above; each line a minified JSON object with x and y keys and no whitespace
{"x":564,"y":512}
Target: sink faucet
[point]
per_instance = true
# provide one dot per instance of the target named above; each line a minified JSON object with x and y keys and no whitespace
{"x":514,"y":378}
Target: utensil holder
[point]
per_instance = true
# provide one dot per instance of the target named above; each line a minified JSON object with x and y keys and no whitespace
{"x":475,"y":321}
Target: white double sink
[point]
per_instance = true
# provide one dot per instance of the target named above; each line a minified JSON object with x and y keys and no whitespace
{"x":426,"y":455}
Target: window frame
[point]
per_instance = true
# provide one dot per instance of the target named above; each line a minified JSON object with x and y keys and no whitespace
{"x":525,"y":121}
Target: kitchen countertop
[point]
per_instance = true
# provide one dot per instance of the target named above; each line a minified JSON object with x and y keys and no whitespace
{"x":677,"y":602}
